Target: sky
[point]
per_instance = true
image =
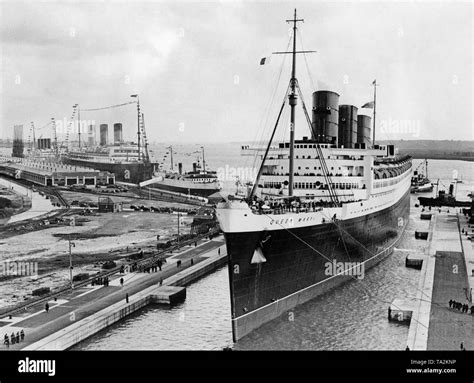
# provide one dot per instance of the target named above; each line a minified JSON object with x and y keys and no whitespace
{"x":195,"y":65}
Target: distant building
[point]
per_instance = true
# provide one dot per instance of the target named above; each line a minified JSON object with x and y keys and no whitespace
{"x":18,"y":145}
{"x":107,"y":205}
{"x":53,"y":174}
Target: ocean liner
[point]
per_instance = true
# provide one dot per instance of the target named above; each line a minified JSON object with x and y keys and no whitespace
{"x":332,"y":198}
{"x":122,"y":159}
{"x":129,"y":161}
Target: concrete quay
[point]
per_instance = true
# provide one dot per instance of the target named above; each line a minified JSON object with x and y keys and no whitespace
{"x":444,"y":277}
{"x":83,"y":312}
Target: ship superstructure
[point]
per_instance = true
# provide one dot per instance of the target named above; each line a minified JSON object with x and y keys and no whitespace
{"x":200,"y":181}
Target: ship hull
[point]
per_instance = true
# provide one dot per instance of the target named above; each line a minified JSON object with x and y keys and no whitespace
{"x":297,"y":262}
{"x":439,"y":202}
{"x":187,"y":187}
{"x":124,"y":172}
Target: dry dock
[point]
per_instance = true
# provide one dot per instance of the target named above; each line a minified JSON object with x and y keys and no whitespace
{"x":446,"y":274}
{"x":83,"y":312}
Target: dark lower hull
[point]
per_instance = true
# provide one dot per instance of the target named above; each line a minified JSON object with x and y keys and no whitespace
{"x":425,"y":201}
{"x":197,"y":191}
{"x":131,"y":172}
{"x":296,"y":264}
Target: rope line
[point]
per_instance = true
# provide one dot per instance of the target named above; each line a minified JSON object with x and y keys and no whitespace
{"x":368,"y":293}
{"x":108,"y":107}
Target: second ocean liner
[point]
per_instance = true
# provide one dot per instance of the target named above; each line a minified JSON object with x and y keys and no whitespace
{"x":334,"y":197}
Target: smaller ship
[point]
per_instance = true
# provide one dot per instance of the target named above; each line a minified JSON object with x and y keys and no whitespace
{"x":443,"y":199}
{"x":198,"y":182}
{"x":420,"y":182}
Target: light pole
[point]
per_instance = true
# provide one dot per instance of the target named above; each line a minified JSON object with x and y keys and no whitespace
{"x":71,"y":245}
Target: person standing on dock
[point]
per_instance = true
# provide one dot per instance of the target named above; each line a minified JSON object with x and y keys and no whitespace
{"x":46,"y":307}
{"x":219,"y":251}
{"x":121,"y":282}
{"x":22,"y":335}
{"x":126,"y":298}
{"x":450,"y":303}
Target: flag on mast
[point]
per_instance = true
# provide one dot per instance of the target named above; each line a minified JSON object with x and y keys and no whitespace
{"x":368,"y":105}
{"x":264,"y":60}
{"x":373,"y":82}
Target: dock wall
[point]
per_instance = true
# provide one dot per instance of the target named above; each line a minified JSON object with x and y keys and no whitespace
{"x":85,"y":328}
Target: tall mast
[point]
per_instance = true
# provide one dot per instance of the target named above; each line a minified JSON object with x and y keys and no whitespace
{"x":34,"y":137}
{"x":138,"y":126}
{"x":79,"y":124}
{"x":375,"y":101}
{"x":146,"y":155}
{"x":55,"y":136}
{"x":292,"y":101}
{"x":171,"y":152}
{"x":203,"y":160}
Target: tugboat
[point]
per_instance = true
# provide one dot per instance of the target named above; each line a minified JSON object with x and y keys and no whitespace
{"x":419,"y":181}
{"x":322,"y":209}
{"x":443,"y":199}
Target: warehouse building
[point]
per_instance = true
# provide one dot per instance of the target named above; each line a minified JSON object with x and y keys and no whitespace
{"x":53,"y":174}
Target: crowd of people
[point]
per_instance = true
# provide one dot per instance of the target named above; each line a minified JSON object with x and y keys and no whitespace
{"x":287,"y":205}
{"x":101,"y":281}
{"x":464,"y":308}
{"x":14,"y":338}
